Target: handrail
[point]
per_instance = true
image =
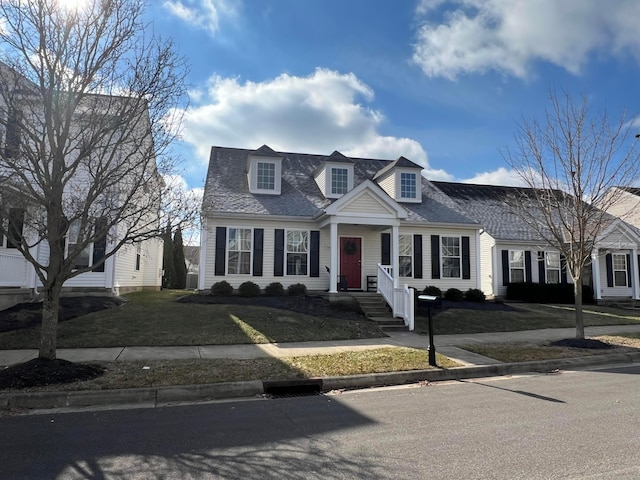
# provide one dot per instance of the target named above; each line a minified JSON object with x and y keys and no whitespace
{"x":401,"y":300}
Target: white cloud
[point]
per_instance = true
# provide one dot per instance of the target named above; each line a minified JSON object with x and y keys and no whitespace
{"x":509,"y":35}
{"x":203,"y":14}
{"x":320,"y":113}
{"x":501,"y":176}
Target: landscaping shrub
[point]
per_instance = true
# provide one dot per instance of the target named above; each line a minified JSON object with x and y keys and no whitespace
{"x":221,"y":289}
{"x":296,"y":289}
{"x":432,"y":290}
{"x":474,"y":295}
{"x":454,"y":295}
{"x":274,"y":289}
{"x":249,"y":289}
{"x":547,"y":293}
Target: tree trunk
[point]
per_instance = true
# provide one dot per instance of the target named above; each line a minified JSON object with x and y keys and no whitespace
{"x":49,"y":329}
{"x":577,"y":290}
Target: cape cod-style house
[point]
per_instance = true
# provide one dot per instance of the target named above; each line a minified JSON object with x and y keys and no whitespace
{"x":332,"y":223}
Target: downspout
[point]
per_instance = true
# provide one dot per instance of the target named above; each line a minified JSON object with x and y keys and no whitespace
{"x":203,"y":254}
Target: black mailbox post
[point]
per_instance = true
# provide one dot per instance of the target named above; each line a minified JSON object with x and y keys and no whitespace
{"x":430,"y":301}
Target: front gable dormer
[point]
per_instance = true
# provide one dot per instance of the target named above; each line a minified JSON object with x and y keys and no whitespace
{"x":264,"y":171}
{"x":335,"y":176}
{"x":402,"y":180}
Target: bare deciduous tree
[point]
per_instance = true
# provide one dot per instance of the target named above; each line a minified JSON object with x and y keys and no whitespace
{"x":570,"y":160}
{"x":87,"y":104}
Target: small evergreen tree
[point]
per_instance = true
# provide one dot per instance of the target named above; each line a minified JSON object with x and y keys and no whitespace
{"x":168,"y":263}
{"x":180,"y":265}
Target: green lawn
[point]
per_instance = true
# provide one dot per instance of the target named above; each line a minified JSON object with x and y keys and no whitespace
{"x":527,"y":317}
{"x":155,"y":319}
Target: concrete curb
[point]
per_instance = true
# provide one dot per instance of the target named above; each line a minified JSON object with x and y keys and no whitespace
{"x":156,"y":396}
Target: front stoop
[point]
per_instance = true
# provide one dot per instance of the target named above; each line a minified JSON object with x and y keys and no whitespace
{"x":376,"y":310}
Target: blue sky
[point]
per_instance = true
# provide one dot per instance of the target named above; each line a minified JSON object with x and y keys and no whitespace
{"x":440,"y":82}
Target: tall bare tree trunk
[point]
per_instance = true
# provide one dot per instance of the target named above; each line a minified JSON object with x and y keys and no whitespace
{"x":49,"y":329}
{"x":577,"y":290}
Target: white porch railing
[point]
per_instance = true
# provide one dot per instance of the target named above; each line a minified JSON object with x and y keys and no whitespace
{"x":13,"y":270}
{"x":401,"y":300}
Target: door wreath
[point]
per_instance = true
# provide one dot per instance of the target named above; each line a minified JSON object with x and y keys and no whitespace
{"x":350,"y":247}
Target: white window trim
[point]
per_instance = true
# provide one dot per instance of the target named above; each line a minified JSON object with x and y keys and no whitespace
{"x":524,"y":266}
{"x":547,"y":269}
{"x":442,"y":256}
{"x":410,"y":256}
{"x":398,"y":186}
{"x":614,"y":269}
{"x":415,"y":186}
{"x":226,"y":252}
{"x":137,"y":265}
{"x":329,"y":179}
{"x":66,"y":251}
{"x":286,"y":251}
{"x":253,"y":175}
{"x":275,"y":168}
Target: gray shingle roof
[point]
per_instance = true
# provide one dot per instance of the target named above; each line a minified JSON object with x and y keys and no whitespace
{"x":227,"y":190}
{"x":494,"y":207}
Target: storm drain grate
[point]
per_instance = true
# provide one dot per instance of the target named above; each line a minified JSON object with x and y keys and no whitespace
{"x":292,"y":388}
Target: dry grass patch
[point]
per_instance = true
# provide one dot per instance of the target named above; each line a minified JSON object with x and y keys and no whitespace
{"x":160,"y":373}
{"x":527,"y":352}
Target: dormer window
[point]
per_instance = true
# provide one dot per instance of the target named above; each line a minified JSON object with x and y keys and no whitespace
{"x":266,"y":176}
{"x":407,"y":185}
{"x":264,"y":171}
{"x":339,"y":181}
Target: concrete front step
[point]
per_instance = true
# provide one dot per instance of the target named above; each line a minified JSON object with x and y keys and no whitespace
{"x":389,"y":323}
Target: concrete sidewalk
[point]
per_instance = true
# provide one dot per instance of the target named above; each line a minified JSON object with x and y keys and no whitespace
{"x":446,"y":345}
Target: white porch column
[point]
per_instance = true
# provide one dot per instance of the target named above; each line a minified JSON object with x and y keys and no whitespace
{"x":634,"y":274}
{"x":203,"y":255}
{"x":334,"y":251}
{"x":595,"y":274}
{"x":395,"y":241}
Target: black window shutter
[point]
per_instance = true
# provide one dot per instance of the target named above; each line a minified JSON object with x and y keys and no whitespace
{"x":435,"y":256}
{"x":466,"y":259}
{"x":314,"y":252}
{"x":505,"y":267}
{"x":527,"y":266}
{"x":278,"y":253}
{"x":563,"y":269}
{"x":1,"y":236}
{"x":99,"y":245}
{"x":628,"y":270}
{"x":385,"y":258}
{"x":608,"y":260}
{"x":221,"y":248}
{"x":417,"y":256}
{"x":258,"y":248}
{"x":16,"y":225}
{"x":542,"y":273}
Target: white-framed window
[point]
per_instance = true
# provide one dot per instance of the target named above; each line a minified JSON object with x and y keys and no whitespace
{"x":85,"y":257}
{"x":138,"y":256}
{"x":339,"y":180}
{"x":516,"y":266}
{"x":552,"y":267}
{"x":408,"y":185}
{"x":451,"y":257}
{"x":239,"y":251}
{"x":297,"y":252}
{"x":405,"y":255}
{"x":266,"y":176}
{"x":619,"y":270}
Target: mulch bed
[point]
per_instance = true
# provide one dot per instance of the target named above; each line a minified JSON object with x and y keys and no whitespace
{"x":582,"y":343}
{"x":26,"y":315}
{"x":40,"y":372}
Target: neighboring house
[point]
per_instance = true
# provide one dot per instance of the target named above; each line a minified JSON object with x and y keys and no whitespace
{"x":511,"y":251}
{"x":133,"y":267}
{"x":192,"y":258}
{"x":331,"y":222}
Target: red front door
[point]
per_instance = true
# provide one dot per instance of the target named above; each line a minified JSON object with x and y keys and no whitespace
{"x":350,"y":261}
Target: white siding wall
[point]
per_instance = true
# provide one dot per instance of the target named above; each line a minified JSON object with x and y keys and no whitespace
{"x":388,"y":184}
{"x":487,"y":242}
{"x":502,"y":289}
{"x":321,"y":180}
{"x":371,"y":248}
{"x":366,"y":203}
{"x":85,"y":280}
{"x":613,"y":291}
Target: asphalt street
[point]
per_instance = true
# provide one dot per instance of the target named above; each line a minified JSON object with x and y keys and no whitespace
{"x":569,"y":425}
